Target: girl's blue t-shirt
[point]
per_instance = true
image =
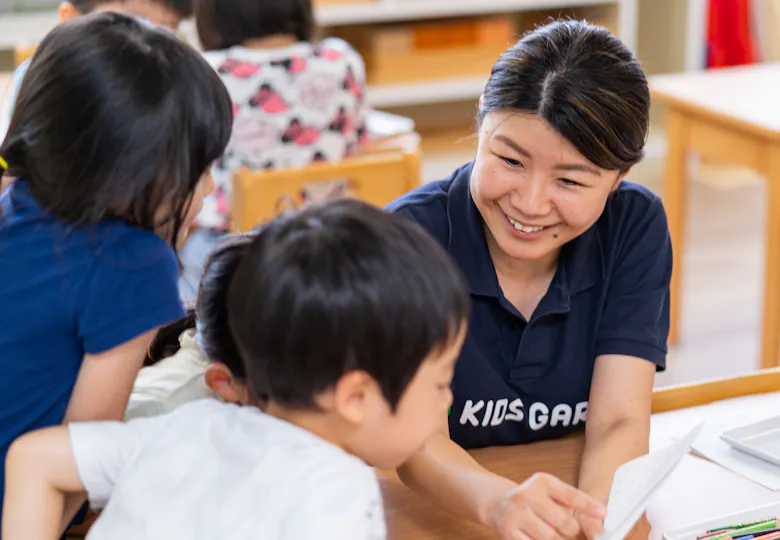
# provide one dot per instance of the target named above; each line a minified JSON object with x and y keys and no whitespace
{"x":66,"y":292}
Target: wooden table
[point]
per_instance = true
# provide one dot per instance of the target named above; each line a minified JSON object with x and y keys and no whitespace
{"x":698,"y":490}
{"x":410,"y":517}
{"x":729,"y":116}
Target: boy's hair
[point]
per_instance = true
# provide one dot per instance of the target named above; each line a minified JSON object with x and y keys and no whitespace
{"x":223,"y":24}
{"x":338,"y":288}
{"x":117,"y":120}
{"x":182,"y":7}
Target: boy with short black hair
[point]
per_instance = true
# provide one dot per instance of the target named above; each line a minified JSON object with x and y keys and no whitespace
{"x":348,"y":321}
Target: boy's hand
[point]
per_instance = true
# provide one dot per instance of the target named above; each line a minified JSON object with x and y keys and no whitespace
{"x":543,"y":508}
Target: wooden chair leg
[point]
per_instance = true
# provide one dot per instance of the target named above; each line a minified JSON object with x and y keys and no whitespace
{"x":770,"y":333}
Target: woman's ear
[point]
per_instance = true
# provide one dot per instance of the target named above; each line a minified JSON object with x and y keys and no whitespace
{"x":221,"y":381}
{"x":620,"y":177}
{"x":67,"y":11}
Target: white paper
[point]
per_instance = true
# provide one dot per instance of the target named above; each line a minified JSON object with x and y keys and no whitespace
{"x":383,"y":124}
{"x":637,"y":481}
{"x":711,"y":446}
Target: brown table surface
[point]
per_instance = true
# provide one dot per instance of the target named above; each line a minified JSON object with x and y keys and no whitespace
{"x":409,"y":517}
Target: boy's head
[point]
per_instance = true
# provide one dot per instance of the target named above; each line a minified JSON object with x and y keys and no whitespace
{"x":167,"y":13}
{"x":223,"y":24}
{"x":355,"y":316}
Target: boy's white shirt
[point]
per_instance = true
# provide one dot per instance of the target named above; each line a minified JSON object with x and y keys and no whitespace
{"x":171,"y":382}
{"x":215,"y":470}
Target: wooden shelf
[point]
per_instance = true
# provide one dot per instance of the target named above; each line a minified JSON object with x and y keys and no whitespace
{"x":22,"y":29}
{"x":407,"y":10}
{"x":423,"y":93}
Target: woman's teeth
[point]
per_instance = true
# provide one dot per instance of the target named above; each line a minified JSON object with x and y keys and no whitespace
{"x":524,"y":228}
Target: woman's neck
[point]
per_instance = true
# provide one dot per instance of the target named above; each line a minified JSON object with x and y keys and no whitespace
{"x":277,"y":41}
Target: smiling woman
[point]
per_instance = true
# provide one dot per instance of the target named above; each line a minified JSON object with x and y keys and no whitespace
{"x":568,"y":267}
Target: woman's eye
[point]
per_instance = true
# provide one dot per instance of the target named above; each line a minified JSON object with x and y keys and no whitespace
{"x":512,"y":162}
{"x":568,"y":182}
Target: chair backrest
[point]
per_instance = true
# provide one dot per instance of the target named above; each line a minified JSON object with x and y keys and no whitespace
{"x":22,"y":54}
{"x":375,"y":178}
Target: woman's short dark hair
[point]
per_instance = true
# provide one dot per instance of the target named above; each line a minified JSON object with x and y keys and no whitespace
{"x":226,"y":23}
{"x":584,"y":82}
{"x":117,"y":120}
{"x":337,"y":288}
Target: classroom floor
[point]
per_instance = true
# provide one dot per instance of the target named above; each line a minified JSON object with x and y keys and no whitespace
{"x":723,"y":278}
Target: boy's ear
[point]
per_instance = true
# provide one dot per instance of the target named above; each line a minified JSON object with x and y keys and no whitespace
{"x":221,"y":381}
{"x":67,"y":11}
{"x":353,"y":396}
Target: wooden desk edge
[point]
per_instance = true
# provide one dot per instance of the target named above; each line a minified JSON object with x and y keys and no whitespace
{"x":703,"y":393}
{"x":690,"y":108}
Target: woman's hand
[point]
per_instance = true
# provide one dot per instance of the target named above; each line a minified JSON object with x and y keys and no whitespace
{"x":544,"y":508}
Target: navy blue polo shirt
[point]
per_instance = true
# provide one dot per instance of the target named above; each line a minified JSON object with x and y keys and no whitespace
{"x":518,"y":380}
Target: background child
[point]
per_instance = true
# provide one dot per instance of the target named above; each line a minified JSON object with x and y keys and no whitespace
{"x":349,"y":319}
{"x":297,"y":101}
{"x":168,"y":13}
{"x":185,"y":364}
{"x":108,"y":174}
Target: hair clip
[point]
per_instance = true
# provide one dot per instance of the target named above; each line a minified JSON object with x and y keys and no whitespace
{"x":3,"y":164}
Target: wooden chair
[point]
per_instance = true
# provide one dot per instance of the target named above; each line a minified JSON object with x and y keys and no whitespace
{"x":22,"y":54}
{"x":375,"y":178}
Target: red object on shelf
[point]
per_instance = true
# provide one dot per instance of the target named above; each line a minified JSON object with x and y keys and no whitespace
{"x":729,"y":36}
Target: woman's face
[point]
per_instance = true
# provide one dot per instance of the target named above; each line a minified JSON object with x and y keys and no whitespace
{"x":535,"y":191}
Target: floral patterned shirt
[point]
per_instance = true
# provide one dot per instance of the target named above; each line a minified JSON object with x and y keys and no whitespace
{"x":293,"y":106}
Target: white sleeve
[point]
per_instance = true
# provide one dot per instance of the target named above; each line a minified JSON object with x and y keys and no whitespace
{"x":340,"y":503}
{"x":171,"y":382}
{"x":102,"y":450}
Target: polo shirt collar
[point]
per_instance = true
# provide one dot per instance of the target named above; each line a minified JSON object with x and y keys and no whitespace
{"x":580,"y":267}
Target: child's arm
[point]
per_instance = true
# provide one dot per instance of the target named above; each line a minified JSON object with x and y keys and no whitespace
{"x":47,"y":468}
{"x":40,"y":472}
{"x":105,"y":381}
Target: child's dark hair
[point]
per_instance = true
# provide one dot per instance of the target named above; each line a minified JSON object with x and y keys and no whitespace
{"x":181,"y":7}
{"x":338,"y":288}
{"x":223,"y":24}
{"x":166,"y":342}
{"x":184,"y":8}
{"x":117,"y":120}
{"x":210,"y":316}
{"x":86,"y":6}
{"x":212,"y":313}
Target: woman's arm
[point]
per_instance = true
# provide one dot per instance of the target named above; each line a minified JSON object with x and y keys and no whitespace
{"x":540,"y":508}
{"x":40,"y":473}
{"x":618,"y":426}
